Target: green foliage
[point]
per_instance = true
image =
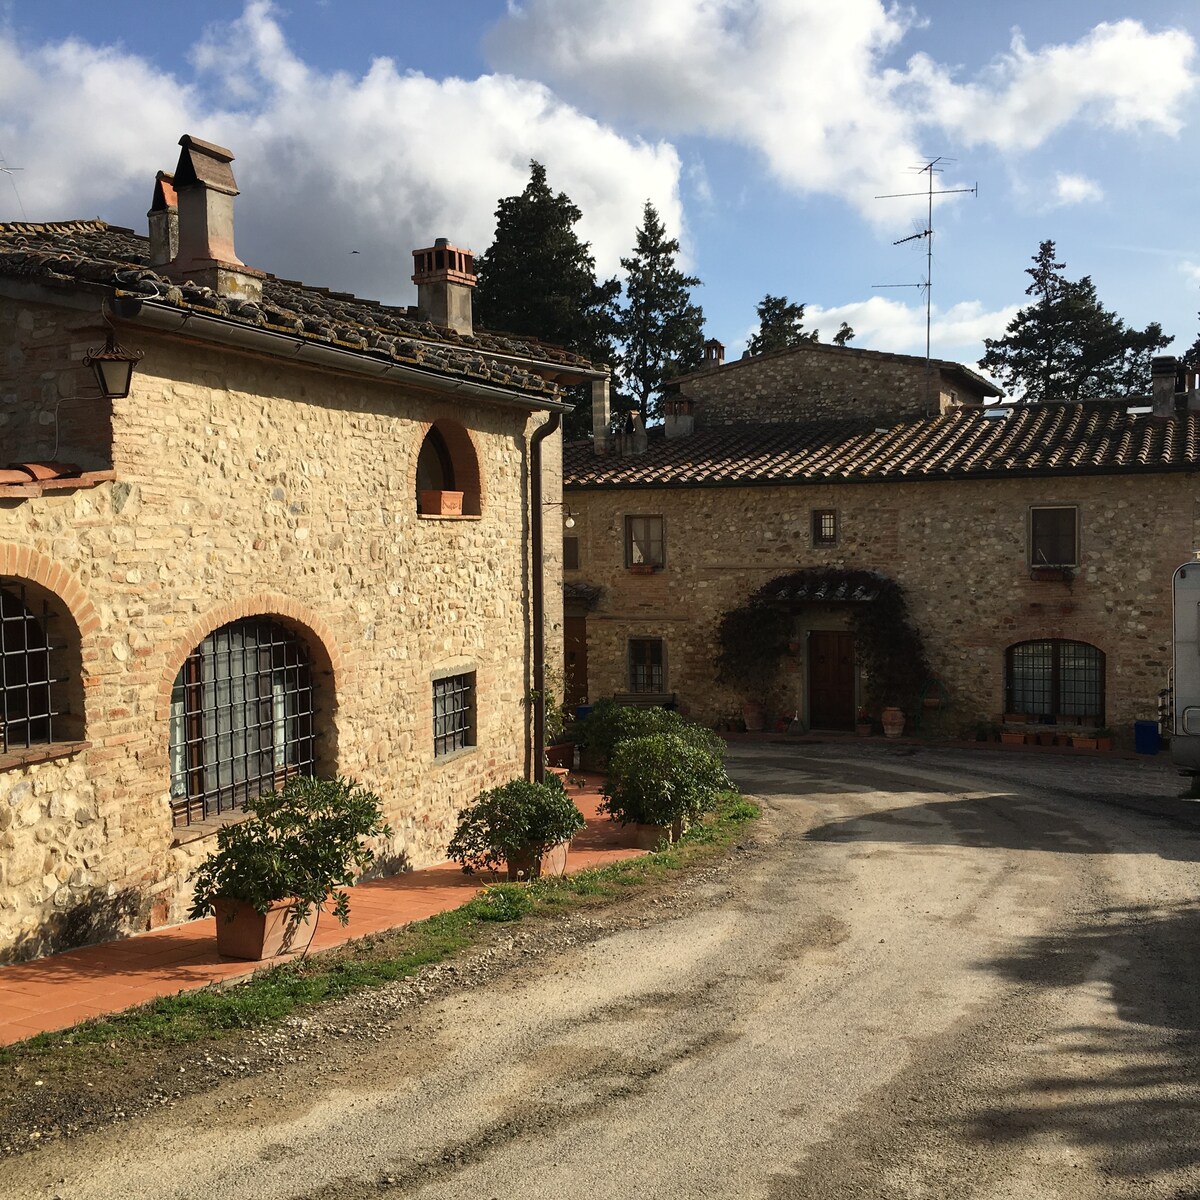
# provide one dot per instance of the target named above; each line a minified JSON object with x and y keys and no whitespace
{"x":517,"y":818}
{"x":502,"y":902}
{"x":844,"y":335}
{"x":1066,"y":345}
{"x":752,"y":637}
{"x":661,"y":329}
{"x":538,"y":279}
{"x":305,"y":841}
{"x":609,"y":723}
{"x":665,"y":777}
{"x":780,"y":326}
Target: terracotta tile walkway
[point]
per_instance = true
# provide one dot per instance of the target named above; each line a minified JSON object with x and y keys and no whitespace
{"x":63,"y":989}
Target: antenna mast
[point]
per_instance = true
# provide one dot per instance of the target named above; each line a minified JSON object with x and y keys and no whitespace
{"x":931,"y":168}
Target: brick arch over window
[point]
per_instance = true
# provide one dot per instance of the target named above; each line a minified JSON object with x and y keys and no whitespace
{"x":62,"y":625}
{"x":327,"y":668}
{"x":447,"y":458}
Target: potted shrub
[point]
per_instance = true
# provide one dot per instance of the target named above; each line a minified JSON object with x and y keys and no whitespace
{"x":663,"y":782}
{"x":610,"y":723}
{"x":272,"y":874}
{"x":1104,"y":739}
{"x":893,"y":721}
{"x":862,"y":725}
{"x":524,"y":824}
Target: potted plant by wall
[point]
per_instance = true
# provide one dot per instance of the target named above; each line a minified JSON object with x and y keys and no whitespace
{"x":1083,"y":741}
{"x":296,"y":853}
{"x":1104,"y":738}
{"x":560,"y":749}
{"x":1012,"y":737}
{"x":892,"y":719}
{"x":862,"y":725}
{"x":441,"y":503}
{"x":523,"y":824}
{"x":663,"y":782}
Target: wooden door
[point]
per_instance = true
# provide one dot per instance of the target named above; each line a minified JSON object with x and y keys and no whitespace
{"x":830,"y":680}
{"x":575,"y":668}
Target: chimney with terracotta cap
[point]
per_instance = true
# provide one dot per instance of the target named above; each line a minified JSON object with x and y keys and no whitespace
{"x":679,"y":416}
{"x":444,"y":276}
{"x":164,"y":221}
{"x":714,"y":353}
{"x":204,"y":189}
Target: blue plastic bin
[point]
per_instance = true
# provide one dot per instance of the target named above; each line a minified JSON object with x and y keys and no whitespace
{"x":1145,"y":737}
{"x":583,"y":712}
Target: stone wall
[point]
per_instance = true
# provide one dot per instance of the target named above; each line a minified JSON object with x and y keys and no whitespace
{"x":959,"y":549}
{"x":822,"y":382}
{"x":247,"y":486}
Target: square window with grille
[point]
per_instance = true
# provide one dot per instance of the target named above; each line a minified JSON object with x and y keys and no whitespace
{"x":646,"y":666}
{"x":645,"y":544}
{"x":824,"y":527}
{"x":241,"y":719}
{"x":29,"y":686}
{"x":1052,"y":537}
{"x":453,"y":713}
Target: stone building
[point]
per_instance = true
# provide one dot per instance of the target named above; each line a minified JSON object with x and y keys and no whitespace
{"x":300,"y":544}
{"x":1034,"y":545}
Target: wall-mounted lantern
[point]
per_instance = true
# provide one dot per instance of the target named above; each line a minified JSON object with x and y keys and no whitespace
{"x":114,"y":367}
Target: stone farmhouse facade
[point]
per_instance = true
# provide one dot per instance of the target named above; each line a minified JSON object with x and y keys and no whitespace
{"x":252,"y":566}
{"x":1034,"y":544}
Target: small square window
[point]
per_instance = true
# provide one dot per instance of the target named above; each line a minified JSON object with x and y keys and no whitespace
{"x":646,"y":670}
{"x":453,"y":713}
{"x":570,"y":554}
{"x":644,"y":542}
{"x":1053,"y":537}
{"x":824,"y":527}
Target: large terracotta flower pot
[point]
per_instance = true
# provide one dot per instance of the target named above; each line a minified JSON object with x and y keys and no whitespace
{"x":648,"y":837}
{"x":244,"y":932}
{"x":893,"y":722}
{"x":754,"y":716}
{"x":441,"y":504}
{"x":527,"y":865}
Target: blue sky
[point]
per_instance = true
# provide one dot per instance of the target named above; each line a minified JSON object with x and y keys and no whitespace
{"x":762,"y":131}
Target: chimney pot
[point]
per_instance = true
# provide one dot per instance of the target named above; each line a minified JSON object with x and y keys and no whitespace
{"x":163,"y":219}
{"x":1164,"y":374}
{"x":444,"y":275}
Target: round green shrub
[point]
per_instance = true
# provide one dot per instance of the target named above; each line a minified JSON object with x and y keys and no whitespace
{"x":610,"y":723}
{"x":517,"y":818}
{"x":665,"y":777}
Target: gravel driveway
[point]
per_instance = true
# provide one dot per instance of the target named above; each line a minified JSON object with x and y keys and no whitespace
{"x":930,"y":974}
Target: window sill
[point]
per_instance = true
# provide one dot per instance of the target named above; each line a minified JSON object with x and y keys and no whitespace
{"x":644,"y":569}
{"x":181,"y":835}
{"x":1063,"y":574}
{"x":438,"y":759}
{"x":39,"y":754}
{"x":455,"y":517}
{"x":42,"y":487}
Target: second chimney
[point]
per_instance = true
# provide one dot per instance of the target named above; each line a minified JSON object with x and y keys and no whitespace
{"x":1164,"y":372}
{"x":164,"y":221}
{"x":444,"y":276}
{"x":205,"y":188}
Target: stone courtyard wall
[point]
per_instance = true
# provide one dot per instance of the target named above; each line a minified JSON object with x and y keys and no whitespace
{"x":959,"y":549}
{"x":244,"y":485}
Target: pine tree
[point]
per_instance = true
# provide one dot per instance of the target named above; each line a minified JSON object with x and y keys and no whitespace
{"x":844,"y":335}
{"x":661,"y":330}
{"x":780,"y":326}
{"x":1066,"y":345}
{"x":538,"y":279}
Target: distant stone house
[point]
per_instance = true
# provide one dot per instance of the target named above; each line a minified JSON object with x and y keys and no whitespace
{"x":246,"y":568}
{"x":1034,"y":545}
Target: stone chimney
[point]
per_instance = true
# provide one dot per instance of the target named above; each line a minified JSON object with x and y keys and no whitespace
{"x":444,"y":276}
{"x":679,"y":416}
{"x":714,"y":354}
{"x":164,"y":221}
{"x":1164,"y":377}
{"x":632,"y":438}
{"x":205,"y":189}
{"x":601,"y":416}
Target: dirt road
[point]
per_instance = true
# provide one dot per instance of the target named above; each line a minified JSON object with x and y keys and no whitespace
{"x":933,"y":975}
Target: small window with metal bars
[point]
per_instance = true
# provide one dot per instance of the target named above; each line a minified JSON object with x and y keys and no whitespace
{"x":241,"y":719}
{"x":824,"y":527}
{"x":646,"y":673}
{"x":29,"y":687}
{"x":453,"y":713}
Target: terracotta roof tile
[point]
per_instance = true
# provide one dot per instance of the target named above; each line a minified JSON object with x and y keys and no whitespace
{"x":93,"y":252}
{"x":1038,"y":439}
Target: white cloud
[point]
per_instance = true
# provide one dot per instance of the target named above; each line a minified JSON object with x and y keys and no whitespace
{"x":1075,"y":189}
{"x":807,"y":84}
{"x":327,"y":163}
{"x":883,"y":324}
{"x":1190,"y":271}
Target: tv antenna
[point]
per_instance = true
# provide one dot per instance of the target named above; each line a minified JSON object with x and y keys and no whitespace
{"x":932,"y":168}
{"x":5,"y":169}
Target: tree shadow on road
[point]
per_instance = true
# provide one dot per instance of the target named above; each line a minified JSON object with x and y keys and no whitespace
{"x":1002,"y":820}
{"x":1124,"y":1087}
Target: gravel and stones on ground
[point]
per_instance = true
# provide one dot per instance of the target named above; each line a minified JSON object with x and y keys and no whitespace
{"x":925,"y":973}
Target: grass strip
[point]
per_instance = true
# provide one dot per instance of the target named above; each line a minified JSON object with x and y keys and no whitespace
{"x":271,"y":996}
